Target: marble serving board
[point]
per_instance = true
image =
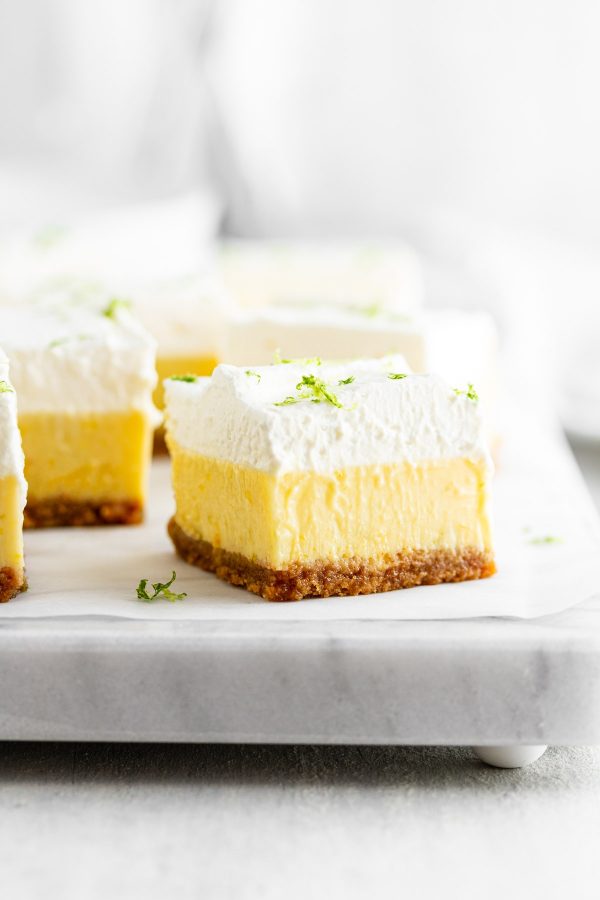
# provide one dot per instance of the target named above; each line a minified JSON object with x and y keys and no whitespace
{"x":513,"y":659}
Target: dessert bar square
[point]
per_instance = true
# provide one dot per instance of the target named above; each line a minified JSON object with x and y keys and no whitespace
{"x":84,"y":378}
{"x":318,"y":479}
{"x":12,"y":490}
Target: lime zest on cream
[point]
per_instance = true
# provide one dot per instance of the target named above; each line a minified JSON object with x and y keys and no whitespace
{"x":378,"y":310}
{"x":111,"y":310}
{"x":545,"y":539}
{"x":470,"y":393}
{"x":58,"y":342}
{"x":306,"y":361}
{"x":396,"y":376}
{"x":314,"y":389}
{"x":254,"y":374}
{"x":189,"y":379}
{"x":5,"y":388}
{"x":372,"y":310}
{"x":348,"y":380}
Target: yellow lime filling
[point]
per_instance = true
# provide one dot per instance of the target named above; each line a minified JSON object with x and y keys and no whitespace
{"x":88,"y":457}
{"x":372,"y":512}
{"x":11,"y":524}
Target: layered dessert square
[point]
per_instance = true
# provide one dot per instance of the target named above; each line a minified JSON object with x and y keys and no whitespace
{"x":319,"y":479}
{"x":117,"y":255}
{"x":187,"y":316}
{"x":12,"y":491}
{"x":84,"y":378}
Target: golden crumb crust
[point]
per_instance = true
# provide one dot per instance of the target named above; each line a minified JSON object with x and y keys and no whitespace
{"x":328,"y":578}
{"x":11,"y":583}
{"x":62,"y":510}
{"x":160,"y":443}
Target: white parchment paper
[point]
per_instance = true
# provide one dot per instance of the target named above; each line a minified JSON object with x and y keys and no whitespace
{"x":539,"y":493}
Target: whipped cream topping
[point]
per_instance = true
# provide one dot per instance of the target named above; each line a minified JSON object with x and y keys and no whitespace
{"x":160,"y":239}
{"x":72,"y":358}
{"x":186,"y":315}
{"x":234,"y":415}
{"x":11,"y":453}
{"x":349,"y":272}
{"x":333,"y":332}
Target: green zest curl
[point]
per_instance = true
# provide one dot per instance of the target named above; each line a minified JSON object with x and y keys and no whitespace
{"x":160,"y":590}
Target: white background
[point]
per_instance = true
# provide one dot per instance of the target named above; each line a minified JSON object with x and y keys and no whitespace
{"x":340,"y":113}
{"x":470,"y":127}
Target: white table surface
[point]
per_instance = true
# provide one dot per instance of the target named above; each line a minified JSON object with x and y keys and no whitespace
{"x":155,"y":821}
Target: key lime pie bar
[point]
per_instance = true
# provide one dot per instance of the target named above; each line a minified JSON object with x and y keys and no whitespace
{"x":12,"y":491}
{"x":187,"y":317}
{"x":307,"y":479}
{"x":84,"y":379}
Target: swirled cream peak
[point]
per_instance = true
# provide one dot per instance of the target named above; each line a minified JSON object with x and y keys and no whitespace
{"x":78,"y":359}
{"x":11,"y":453}
{"x":309,"y":416}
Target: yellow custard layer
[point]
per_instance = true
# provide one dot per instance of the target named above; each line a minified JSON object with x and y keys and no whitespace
{"x":180,"y":365}
{"x":92,"y":456}
{"x":364,"y":511}
{"x":11,"y":524}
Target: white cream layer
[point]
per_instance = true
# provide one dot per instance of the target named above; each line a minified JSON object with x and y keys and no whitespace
{"x":11,"y":452}
{"x":333,"y":332}
{"x":233,"y":415}
{"x":460,"y":345}
{"x":75,"y":359}
{"x":187,"y":315}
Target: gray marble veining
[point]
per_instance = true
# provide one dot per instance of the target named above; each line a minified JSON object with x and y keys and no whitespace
{"x":462,"y":682}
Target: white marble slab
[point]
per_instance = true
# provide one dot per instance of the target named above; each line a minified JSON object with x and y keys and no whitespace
{"x":468,"y":682}
{"x":187,"y":673}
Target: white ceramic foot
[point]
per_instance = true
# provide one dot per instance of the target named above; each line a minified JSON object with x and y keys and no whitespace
{"x":511,"y":757}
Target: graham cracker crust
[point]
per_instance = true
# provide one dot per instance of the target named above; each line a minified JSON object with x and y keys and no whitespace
{"x":11,"y":584}
{"x":333,"y":579}
{"x":160,"y":444}
{"x":58,"y":511}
